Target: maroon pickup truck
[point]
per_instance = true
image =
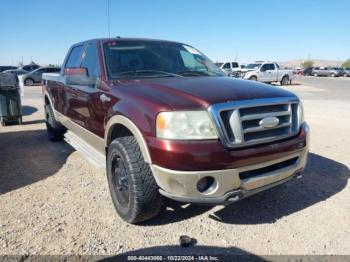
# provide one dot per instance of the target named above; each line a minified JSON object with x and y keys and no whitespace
{"x":164,"y":121}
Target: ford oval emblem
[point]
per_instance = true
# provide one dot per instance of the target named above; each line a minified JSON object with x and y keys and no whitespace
{"x":269,"y":122}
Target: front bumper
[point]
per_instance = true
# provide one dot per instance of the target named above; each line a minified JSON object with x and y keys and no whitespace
{"x":229,"y":184}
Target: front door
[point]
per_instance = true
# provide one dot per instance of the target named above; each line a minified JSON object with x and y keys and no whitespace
{"x":268,"y":73}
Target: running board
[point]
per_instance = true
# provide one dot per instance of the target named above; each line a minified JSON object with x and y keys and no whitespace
{"x":85,"y":149}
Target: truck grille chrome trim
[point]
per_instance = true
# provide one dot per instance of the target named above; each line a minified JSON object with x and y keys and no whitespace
{"x":240,"y":123}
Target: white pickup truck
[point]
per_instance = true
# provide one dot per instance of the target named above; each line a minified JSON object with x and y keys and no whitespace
{"x":267,"y":72}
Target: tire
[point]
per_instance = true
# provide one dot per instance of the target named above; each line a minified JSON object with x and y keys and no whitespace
{"x":28,"y":82}
{"x":253,"y":78}
{"x":131,"y":183}
{"x":332,"y":75}
{"x":55,"y":131}
{"x":315,"y":74}
{"x":2,"y":121}
{"x":285,"y":80}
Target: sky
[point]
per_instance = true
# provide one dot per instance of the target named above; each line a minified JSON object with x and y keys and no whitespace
{"x":277,"y":30}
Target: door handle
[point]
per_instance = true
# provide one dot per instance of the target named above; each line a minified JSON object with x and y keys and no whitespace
{"x":104,"y":98}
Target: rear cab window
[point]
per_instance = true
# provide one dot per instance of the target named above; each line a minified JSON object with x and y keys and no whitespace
{"x":74,"y":58}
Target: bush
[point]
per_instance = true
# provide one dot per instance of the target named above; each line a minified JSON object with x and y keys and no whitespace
{"x":346,"y":64}
{"x":307,"y":63}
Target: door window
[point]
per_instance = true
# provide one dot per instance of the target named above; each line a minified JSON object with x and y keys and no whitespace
{"x":74,"y":58}
{"x":53,"y":70}
{"x":90,"y":61}
{"x":226,"y":66}
{"x":268,"y":67}
{"x":234,"y":65}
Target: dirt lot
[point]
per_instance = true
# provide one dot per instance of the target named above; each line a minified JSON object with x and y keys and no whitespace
{"x":52,"y":201}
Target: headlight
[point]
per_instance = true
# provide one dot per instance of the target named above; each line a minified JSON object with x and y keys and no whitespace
{"x":185,"y":125}
{"x":300,"y":113}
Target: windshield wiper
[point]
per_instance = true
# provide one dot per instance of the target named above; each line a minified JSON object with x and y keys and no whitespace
{"x":197,"y":73}
{"x":155,"y":73}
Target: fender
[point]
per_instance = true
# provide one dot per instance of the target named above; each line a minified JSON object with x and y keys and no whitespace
{"x":119,"y":119}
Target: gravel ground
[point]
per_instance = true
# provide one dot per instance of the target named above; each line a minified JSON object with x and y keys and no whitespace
{"x":52,"y":201}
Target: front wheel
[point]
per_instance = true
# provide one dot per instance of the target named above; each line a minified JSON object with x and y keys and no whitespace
{"x":29,"y":82}
{"x":253,"y":78}
{"x":133,"y":188}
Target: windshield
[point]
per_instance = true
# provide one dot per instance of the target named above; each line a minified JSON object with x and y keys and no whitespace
{"x":140,"y":59}
{"x":252,"y":66}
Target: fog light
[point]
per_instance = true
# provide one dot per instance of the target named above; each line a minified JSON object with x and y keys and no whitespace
{"x":205,"y":183}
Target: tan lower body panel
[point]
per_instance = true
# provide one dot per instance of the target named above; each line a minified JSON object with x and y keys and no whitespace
{"x":93,"y":140}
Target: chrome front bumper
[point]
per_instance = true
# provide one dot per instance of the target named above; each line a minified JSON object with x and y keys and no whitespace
{"x":228,"y":186}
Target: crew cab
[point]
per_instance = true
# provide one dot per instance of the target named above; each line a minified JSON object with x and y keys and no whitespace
{"x":267,"y":72}
{"x":164,"y":121}
{"x":230,"y":68}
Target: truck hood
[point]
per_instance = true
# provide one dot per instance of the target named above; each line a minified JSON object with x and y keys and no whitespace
{"x":247,"y":70}
{"x":181,"y":93}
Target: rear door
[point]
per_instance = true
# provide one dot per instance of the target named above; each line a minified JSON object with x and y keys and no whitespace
{"x":235,"y":66}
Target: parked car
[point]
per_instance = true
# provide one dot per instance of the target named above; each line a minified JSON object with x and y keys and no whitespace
{"x":347,"y":71}
{"x":230,"y":68}
{"x":267,"y":72}
{"x":325,"y":71}
{"x":35,"y":76}
{"x":17,"y":72}
{"x":4,"y":68}
{"x":30,"y":67}
{"x":340,"y":71}
{"x":307,"y":71}
{"x":163,"y":120}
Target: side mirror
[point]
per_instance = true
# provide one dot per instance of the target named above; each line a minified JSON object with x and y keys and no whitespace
{"x":78,"y":76}
{"x":262,"y":69}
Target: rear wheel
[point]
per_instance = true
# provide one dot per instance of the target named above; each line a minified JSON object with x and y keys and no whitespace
{"x":55,"y":131}
{"x":315,"y":74}
{"x":28,"y":82}
{"x":285,"y":80}
{"x":133,"y":188}
{"x":332,"y":75}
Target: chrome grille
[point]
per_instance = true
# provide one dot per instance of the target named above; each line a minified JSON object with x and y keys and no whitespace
{"x":239,"y":123}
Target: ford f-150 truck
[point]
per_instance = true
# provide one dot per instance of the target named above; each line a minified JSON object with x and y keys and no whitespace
{"x":267,"y":72}
{"x":164,"y":121}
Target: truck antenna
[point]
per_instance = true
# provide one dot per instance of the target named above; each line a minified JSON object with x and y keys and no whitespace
{"x":108,"y":20}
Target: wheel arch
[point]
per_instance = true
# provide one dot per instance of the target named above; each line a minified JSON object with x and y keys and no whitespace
{"x":28,"y":78}
{"x":285,"y":75}
{"x":48,"y":101}
{"x":253,"y":76}
{"x":119,"y":124}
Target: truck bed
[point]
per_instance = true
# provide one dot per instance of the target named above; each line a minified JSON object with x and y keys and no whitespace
{"x":51,"y":76}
